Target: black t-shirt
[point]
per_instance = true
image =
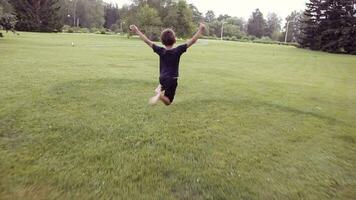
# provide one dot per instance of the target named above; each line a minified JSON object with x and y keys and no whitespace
{"x":169,"y":60}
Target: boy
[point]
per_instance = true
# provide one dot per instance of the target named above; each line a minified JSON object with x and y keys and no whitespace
{"x":169,"y":62}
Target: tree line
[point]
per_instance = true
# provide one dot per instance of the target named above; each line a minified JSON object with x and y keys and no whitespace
{"x":151,"y":15}
{"x":327,"y":25}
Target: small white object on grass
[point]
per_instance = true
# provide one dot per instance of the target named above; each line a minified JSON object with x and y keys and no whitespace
{"x":72,"y":44}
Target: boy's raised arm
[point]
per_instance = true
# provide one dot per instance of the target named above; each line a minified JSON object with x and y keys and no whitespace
{"x":134,"y":29}
{"x":196,"y":35}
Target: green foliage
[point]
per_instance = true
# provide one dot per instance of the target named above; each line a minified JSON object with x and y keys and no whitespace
{"x":149,"y":22}
{"x":8,"y":19}
{"x":170,"y":18}
{"x":5,"y":7}
{"x":223,"y":17}
{"x":310,"y":30}
{"x":184,"y":27}
{"x":115,"y":28}
{"x":214,"y":28}
{"x":231,"y":30}
{"x":233,"y":27}
{"x":197,"y":16}
{"x":240,"y":22}
{"x":86,"y":13}
{"x":209,"y":16}
{"x":294,"y":27}
{"x":338,"y":30}
{"x":250,"y":121}
{"x":91,"y":13}
{"x":275,"y":36}
{"x":148,"y":16}
{"x":111,"y":15}
{"x":70,"y":29}
{"x":273,"y":25}
{"x":38,"y":15}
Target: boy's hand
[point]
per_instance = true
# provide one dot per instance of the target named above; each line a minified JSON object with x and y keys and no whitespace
{"x":202,"y":27}
{"x":134,"y":28}
{"x":196,"y":36}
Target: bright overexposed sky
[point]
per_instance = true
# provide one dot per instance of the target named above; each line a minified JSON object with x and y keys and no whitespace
{"x":241,"y":8}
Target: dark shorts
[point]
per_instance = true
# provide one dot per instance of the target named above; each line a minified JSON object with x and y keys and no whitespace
{"x":169,"y":85}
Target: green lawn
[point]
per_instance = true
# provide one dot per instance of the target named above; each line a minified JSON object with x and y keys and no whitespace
{"x":250,"y":121}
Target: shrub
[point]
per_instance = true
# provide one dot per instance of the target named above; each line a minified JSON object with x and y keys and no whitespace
{"x":94,"y":30}
{"x":252,"y":37}
{"x":226,"y":38}
{"x":84,"y":30}
{"x":115,"y":28}
{"x":210,"y":37}
{"x":65,"y":28}
{"x":244,"y":39}
{"x":266,"y":38}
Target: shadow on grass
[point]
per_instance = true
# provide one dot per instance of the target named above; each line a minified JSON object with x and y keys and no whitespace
{"x":351,"y":139}
{"x":247,"y":103}
{"x":126,"y":89}
{"x":296,"y":111}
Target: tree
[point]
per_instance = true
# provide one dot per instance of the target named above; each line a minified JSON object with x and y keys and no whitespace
{"x":348,"y":37}
{"x":329,"y":25}
{"x":257,"y":24}
{"x":184,"y":27}
{"x":38,"y":15}
{"x":310,"y":37}
{"x":294,"y":24}
{"x":111,"y":13}
{"x":209,"y":16}
{"x":231,"y":30}
{"x":197,"y":16}
{"x":66,"y":12}
{"x":223,"y":17}
{"x":149,"y":21}
{"x":338,"y":27}
{"x":240,"y":22}
{"x":273,"y":25}
{"x":7,"y":17}
{"x":171,"y":17}
{"x":90,"y":13}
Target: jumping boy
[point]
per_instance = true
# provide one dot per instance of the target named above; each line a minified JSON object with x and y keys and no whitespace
{"x":169,"y":62}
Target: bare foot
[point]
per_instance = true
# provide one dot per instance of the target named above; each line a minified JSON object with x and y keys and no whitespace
{"x":154,"y":100}
{"x":158,"y":89}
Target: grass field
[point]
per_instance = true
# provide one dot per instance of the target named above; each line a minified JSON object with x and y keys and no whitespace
{"x":250,"y":121}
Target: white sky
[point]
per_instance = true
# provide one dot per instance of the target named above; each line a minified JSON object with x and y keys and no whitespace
{"x":242,"y":8}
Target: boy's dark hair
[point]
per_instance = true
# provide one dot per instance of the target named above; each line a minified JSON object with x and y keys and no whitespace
{"x":168,"y":37}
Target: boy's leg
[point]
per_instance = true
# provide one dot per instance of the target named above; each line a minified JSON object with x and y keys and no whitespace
{"x":170,"y":86}
{"x":165,"y":92}
{"x":160,"y":96}
{"x":154,"y":100}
